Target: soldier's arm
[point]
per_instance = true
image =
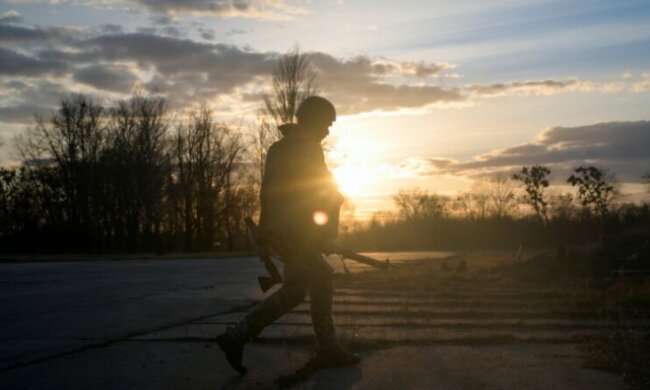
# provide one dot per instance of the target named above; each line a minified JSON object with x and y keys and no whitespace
{"x":319,"y":194}
{"x":268,"y":190}
{"x":318,"y":180}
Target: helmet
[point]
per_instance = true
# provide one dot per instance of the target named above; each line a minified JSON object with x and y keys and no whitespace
{"x":316,"y":108}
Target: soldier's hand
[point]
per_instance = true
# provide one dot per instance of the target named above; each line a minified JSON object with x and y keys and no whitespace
{"x":330,"y":246}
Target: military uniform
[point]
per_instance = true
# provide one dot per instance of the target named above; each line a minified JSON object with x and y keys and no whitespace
{"x":296,"y":186}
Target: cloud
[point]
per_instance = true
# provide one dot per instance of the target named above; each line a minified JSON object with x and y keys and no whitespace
{"x":207,"y":34}
{"x":144,"y":47}
{"x":184,"y":70}
{"x":112,"y":29}
{"x":643,"y":85}
{"x":257,"y":9}
{"x":619,"y":146}
{"x":22,"y":35}
{"x":422,"y":69}
{"x":118,"y":78}
{"x":17,"y":64}
{"x":11,"y":16}
{"x":187,"y":70}
{"x":19,"y":34}
{"x":21,"y":100}
{"x":254,"y":9}
{"x":360,"y":84}
{"x":22,"y":113}
{"x":172,"y":56}
{"x":192,"y":72}
{"x":539,"y":87}
{"x":236,"y":31}
{"x":366,"y":97}
{"x":416,"y":166}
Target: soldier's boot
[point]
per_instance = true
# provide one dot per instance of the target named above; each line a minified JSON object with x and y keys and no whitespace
{"x":330,"y":352}
{"x":233,"y":340}
{"x":336,"y":357}
{"x":233,"y":347}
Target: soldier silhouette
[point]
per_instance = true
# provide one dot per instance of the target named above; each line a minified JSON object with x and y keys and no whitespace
{"x":300,"y":206}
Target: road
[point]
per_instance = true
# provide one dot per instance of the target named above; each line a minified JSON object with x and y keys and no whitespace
{"x":150,"y":324}
{"x":49,"y":309}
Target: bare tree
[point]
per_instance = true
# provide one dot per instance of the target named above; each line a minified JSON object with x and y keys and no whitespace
{"x":234,"y":196}
{"x":138,"y":167}
{"x":480,"y":200}
{"x":462,"y":206}
{"x":123,"y":207}
{"x":347,"y":220}
{"x":74,"y":139}
{"x":472,"y":204}
{"x":500,"y":195}
{"x":8,"y":193}
{"x":262,"y":137}
{"x":417,"y":204}
{"x":206,"y":157}
{"x":382,"y":218}
{"x":294,"y":79}
{"x":646,"y":179}
{"x":151,"y":160}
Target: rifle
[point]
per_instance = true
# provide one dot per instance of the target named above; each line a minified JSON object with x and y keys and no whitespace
{"x":274,"y":277}
{"x":346,"y":253}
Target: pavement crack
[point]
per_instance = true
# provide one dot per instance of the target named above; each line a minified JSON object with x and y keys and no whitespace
{"x":126,"y":337}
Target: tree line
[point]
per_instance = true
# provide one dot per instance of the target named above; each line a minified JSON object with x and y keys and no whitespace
{"x":509,"y":212}
{"x":129,"y":177}
{"x":122,"y":178}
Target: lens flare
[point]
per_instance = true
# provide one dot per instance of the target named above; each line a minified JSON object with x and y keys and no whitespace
{"x":320,"y":218}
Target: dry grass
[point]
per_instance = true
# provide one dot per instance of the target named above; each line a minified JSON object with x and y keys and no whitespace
{"x":566,"y":281}
{"x":624,"y":346}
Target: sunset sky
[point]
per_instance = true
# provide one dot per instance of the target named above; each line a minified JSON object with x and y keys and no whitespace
{"x":434,"y":94}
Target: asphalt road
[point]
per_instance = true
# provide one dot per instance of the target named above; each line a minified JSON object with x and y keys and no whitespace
{"x":53,"y":308}
{"x":150,"y":324}
{"x":50,"y":309}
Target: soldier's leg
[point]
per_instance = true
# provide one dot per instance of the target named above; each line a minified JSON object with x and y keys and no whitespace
{"x":330,"y":353}
{"x":321,"y":296}
{"x":291,"y":293}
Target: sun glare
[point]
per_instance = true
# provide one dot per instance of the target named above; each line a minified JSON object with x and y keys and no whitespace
{"x":352,"y":180}
{"x":354,"y":161}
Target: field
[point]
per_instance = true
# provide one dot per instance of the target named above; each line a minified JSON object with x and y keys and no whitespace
{"x":497,"y":297}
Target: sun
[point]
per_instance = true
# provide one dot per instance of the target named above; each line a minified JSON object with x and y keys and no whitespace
{"x":354,"y":162}
{"x":353,"y":180}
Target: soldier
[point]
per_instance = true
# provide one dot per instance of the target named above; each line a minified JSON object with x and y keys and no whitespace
{"x":300,"y":206}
